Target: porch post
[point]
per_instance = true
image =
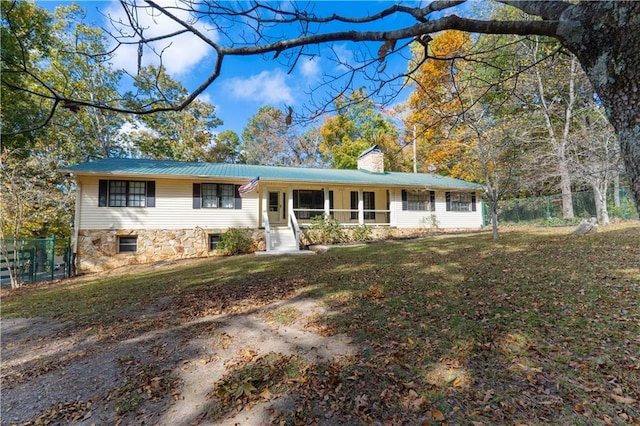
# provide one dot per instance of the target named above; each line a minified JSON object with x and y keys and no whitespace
{"x":263,"y":206}
{"x":360,"y":208}
{"x":327,"y":204}
{"x":290,"y":203}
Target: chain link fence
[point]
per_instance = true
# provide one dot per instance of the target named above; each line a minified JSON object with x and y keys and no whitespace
{"x":34,"y":260}
{"x":548,"y":208}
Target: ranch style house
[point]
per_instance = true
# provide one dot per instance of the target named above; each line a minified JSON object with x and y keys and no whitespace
{"x":134,"y":211}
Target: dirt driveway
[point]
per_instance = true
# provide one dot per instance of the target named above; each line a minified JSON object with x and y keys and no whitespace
{"x":155,"y":369}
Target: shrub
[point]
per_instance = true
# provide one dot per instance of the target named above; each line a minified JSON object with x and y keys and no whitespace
{"x":234,"y":241}
{"x":361,"y":233}
{"x":324,"y":230}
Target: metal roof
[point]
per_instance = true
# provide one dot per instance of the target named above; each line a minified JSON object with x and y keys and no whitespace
{"x":160,"y":168}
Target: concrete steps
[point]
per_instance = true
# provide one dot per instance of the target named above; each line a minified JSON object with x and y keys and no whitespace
{"x":282,"y":241}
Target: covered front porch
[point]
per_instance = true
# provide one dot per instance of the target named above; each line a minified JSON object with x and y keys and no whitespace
{"x":348,"y":206}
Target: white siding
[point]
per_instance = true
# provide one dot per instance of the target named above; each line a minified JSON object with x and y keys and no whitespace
{"x":173,"y":210}
{"x":443,"y":218}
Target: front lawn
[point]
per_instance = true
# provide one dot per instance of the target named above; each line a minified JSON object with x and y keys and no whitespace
{"x":542,"y":327}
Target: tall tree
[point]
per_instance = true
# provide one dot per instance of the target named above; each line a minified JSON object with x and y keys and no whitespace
{"x":492,"y":152}
{"x":27,"y":39}
{"x":185,"y":135}
{"x":603,"y":35}
{"x":467,"y":122}
{"x":558,"y":90}
{"x":435,"y":102}
{"x":226,"y":148}
{"x":268,"y":138}
{"x":357,"y":126}
{"x":35,"y":202}
{"x":50,"y":58}
{"x":595,"y":157}
{"x":85,"y":132}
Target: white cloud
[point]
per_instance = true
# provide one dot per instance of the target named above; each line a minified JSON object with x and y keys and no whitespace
{"x":310,"y":68}
{"x":206,"y":97}
{"x":267,"y":87}
{"x":179,"y":53}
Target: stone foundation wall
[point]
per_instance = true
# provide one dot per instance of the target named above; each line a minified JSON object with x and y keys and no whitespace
{"x":98,"y":248}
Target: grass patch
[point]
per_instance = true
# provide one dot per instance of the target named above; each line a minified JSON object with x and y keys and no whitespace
{"x":542,"y":327}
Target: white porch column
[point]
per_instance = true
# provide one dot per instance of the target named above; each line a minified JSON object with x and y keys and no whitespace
{"x":393,"y":206}
{"x":262,"y":205}
{"x":327,"y":203}
{"x":290,"y":203}
{"x":360,"y":208}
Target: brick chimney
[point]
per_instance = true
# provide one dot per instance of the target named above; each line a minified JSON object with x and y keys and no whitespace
{"x":371,"y":160}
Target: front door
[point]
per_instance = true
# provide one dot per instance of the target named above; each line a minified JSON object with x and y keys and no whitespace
{"x":275,"y":206}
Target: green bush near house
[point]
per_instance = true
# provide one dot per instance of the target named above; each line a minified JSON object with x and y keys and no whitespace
{"x":235,"y":241}
{"x":361,"y":233}
{"x":325,"y":230}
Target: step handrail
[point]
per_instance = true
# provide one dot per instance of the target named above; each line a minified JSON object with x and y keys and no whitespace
{"x":267,"y":229}
{"x":295,"y":227}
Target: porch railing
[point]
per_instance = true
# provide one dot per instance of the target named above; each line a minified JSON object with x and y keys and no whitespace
{"x":346,"y":217}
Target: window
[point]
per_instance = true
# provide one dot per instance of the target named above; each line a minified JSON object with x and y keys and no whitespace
{"x":461,"y":201}
{"x":127,"y":244}
{"x":126,"y":193}
{"x":308,"y":203}
{"x":369,"y":199}
{"x":416,"y":200}
{"x":274,"y":200}
{"x":216,"y":196}
{"x":369,"y":204}
{"x":214,"y":239}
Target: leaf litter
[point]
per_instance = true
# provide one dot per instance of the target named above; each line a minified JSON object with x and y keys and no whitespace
{"x":539,"y":328}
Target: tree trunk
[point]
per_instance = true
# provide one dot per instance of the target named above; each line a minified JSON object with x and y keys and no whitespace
{"x":600,"y":198}
{"x":558,"y":143}
{"x":494,"y":221}
{"x":565,"y":188}
{"x":605,"y":38}
{"x":616,"y":189}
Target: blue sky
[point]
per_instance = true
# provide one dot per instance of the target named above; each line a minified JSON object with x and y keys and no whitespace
{"x":246,"y":83}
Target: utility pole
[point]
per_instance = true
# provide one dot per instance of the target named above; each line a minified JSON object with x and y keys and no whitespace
{"x":415,"y":164}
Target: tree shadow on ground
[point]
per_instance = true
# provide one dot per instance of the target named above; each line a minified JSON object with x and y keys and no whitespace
{"x":538,"y":328}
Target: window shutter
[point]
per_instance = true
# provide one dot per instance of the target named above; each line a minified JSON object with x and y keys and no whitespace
{"x":331,"y":200}
{"x":432,"y":200}
{"x":238,"y":204}
{"x":473,"y":201}
{"x":197,"y":197}
{"x":405,"y":204}
{"x":354,"y":204}
{"x":448,"y":196}
{"x":151,"y":194}
{"x":103,"y":192}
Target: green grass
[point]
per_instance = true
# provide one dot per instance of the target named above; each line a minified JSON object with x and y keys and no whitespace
{"x":541,"y":327}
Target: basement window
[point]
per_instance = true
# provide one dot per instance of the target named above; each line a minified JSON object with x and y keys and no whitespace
{"x":128,"y":244}
{"x":214,"y":239}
